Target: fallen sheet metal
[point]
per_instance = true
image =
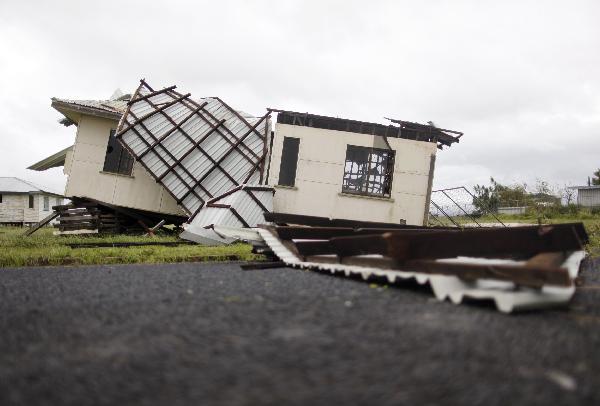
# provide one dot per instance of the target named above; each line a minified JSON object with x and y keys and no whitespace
{"x":199,"y":150}
{"x":517,"y":269}
{"x":223,"y":218}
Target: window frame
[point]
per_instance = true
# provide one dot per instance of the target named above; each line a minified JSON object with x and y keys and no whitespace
{"x":290,"y":152}
{"x":124,"y":160}
{"x":46,"y":203}
{"x":31,"y":203}
{"x":386,"y":157}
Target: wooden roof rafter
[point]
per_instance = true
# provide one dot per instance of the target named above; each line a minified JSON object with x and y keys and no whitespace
{"x":402,"y":129}
{"x":193,"y":148}
{"x":234,"y":136}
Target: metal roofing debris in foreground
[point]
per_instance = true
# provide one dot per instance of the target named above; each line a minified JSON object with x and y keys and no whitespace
{"x":516,"y":268}
{"x":198,"y":150}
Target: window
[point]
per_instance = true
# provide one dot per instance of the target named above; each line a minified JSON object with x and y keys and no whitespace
{"x":117,"y":159}
{"x":46,"y":203}
{"x":31,"y":201}
{"x":59,"y":201}
{"x":289,"y":161}
{"x":0,"y":198}
{"x":368,"y":171}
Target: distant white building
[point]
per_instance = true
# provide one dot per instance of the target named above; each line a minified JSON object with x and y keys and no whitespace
{"x":588,"y":196}
{"x":512,"y":210}
{"x":23,"y":203}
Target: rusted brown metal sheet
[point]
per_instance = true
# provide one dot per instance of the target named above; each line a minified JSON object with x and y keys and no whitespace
{"x":479,"y":263}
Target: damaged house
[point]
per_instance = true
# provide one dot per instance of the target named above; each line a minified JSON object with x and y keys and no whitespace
{"x":101,"y":171}
{"x":327,"y":194}
{"x":339,"y":168}
{"x":163,"y":155}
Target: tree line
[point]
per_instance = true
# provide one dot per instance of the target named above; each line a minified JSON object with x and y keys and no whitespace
{"x":491,"y":197}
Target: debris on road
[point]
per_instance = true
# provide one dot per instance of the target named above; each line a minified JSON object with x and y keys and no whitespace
{"x":517,"y":268}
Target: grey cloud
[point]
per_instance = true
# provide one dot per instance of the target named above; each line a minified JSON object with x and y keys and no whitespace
{"x":518,"y":77}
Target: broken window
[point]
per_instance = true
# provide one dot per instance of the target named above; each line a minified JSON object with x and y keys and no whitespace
{"x":368,"y":171}
{"x":118,"y":159}
{"x":289,"y":161}
{"x":46,"y":203}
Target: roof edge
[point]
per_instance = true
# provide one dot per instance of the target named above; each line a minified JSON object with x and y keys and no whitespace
{"x":52,"y":161}
{"x":61,"y":105}
{"x":403,"y":129}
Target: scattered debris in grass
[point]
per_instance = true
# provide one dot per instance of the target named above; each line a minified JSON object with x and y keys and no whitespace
{"x":44,"y":248}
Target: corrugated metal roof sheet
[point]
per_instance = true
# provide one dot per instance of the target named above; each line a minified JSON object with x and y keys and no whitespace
{"x":197,"y":149}
{"x":242,"y":207}
{"x":504,"y":294}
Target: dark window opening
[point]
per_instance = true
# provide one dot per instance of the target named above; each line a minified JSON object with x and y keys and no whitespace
{"x":118,"y":159}
{"x":46,"y":203}
{"x":0,"y":198}
{"x":31,"y":201}
{"x":368,"y":171}
{"x":289,"y":161}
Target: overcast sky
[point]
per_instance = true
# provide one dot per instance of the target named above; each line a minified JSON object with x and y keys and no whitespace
{"x":521,"y":79}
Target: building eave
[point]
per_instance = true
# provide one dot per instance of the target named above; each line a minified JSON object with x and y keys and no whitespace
{"x":53,"y":161}
{"x":65,"y":108}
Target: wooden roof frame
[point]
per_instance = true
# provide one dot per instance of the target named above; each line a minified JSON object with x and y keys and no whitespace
{"x":403,"y":129}
{"x":218,"y":127}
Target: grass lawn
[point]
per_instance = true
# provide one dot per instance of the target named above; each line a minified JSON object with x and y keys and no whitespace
{"x":43,"y":248}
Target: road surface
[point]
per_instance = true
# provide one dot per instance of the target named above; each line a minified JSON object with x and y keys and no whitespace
{"x":208,"y":334}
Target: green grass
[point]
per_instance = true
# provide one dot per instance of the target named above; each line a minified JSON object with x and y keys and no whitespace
{"x":44,"y":248}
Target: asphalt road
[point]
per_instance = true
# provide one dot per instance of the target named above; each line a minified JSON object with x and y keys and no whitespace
{"x":208,"y":334}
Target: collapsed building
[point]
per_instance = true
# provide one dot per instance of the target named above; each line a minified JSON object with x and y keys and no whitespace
{"x":327,"y":194}
{"x":163,"y":155}
{"x":110,"y":192}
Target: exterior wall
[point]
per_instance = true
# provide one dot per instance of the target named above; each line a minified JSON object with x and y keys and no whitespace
{"x":86,"y":178}
{"x":15,"y":208}
{"x":512,"y":210}
{"x":320,"y":170}
{"x":68,"y":162}
{"x":588,"y":197}
{"x":12,"y":208}
{"x":33,"y":215}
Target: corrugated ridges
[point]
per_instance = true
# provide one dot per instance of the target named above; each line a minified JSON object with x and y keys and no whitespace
{"x":198,"y":149}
